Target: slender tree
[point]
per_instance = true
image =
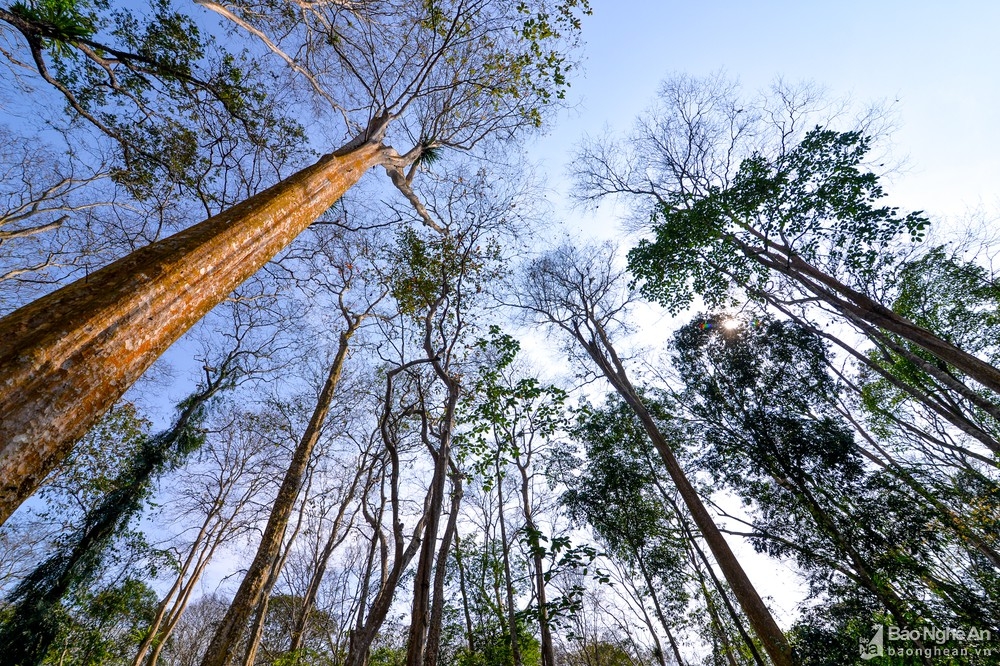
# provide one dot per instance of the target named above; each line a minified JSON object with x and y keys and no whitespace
{"x":580,"y":293}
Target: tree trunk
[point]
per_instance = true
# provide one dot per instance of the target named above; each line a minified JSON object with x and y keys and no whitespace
{"x":433,"y":650}
{"x":737,"y":622}
{"x":602,"y":352}
{"x":163,"y":610}
{"x":301,"y":625}
{"x":855,"y":303}
{"x":465,"y":596}
{"x":67,"y":357}
{"x":367,"y":628}
{"x":713,"y":612}
{"x":760,"y":617}
{"x":547,"y":646}
{"x":515,"y":646}
{"x":419,"y":616}
{"x":254,"y":584}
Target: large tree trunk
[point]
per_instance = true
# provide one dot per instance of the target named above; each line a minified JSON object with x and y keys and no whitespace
{"x":67,"y":357}
{"x":255,"y":584}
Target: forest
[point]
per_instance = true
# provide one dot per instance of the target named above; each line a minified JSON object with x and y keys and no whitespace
{"x":299,"y":367}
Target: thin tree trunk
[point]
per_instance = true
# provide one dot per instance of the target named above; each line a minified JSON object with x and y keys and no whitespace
{"x":547,"y":646}
{"x":419,"y":620}
{"x":465,"y":595}
{"x":367,"y":628}
{"x":67,"y":357}
{"x":254,"y":584}
{"x":888,"y":463}
{"x":260,"y":616}
{"x":312,"y":590}
{"x":657,"y":606}
{"x":956,"y":418}
{"x":515,"y":647}
{"x":433,"y":649}
{"x":673,"y":646}
{"x":603,"y":354}
{"x":713,"y":612}
{"x":177,"y":589}
{"x":725,"y":597}
{"x":420,"y":625}
{"x":256,"y":629}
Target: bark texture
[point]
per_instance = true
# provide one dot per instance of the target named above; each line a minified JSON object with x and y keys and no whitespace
{"x":67,"y":357}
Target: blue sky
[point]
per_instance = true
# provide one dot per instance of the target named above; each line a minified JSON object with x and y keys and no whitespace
{"x":939,"y":60}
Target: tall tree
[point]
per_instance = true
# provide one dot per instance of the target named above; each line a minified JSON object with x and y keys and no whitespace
{"x":580,"y":293}
{"x":253,"y":589}
{"x":618,"y":494}
{"x":217,"y":492}
{"x":446,"y":74}
{"x":510,"y":418}
{"x":745,"y":199}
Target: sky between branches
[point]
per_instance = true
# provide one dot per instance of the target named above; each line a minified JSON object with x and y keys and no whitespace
{"x":936,"y":64}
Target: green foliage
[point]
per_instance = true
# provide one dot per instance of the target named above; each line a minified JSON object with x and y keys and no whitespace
{"x":816,"y":202}
{"x":282,"y":612}
{"x":493,"y":647}
{"x":618,"y":493}
{"x":428,"y":269}
{"x":181,"y":109}
{"x":957,"y":300}
{"x":599,"y":653}
{"x":766,"y":383}
{"x":835,"y":636}
{"x":93,"y":627}
{"x":62,"y":20}
{"x":96,"y":464}
{"x":765,"y":408}
{"x":483,"y":569}
{"x":387,"y":656}
{"x":501,"y":408}
{"x":105,"y":627}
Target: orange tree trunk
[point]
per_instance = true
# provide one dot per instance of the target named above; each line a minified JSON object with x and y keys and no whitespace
{"x":67,"y":357}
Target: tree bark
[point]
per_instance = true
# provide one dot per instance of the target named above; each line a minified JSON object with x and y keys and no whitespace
{"x":602,"y":352}
{"x":433,"y":650}
{"x":545,"y":631}
{"x":255,"y":583}
{"x":67,"y":357}
{"x":515,"y":646}
{"x":420,"y":615}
